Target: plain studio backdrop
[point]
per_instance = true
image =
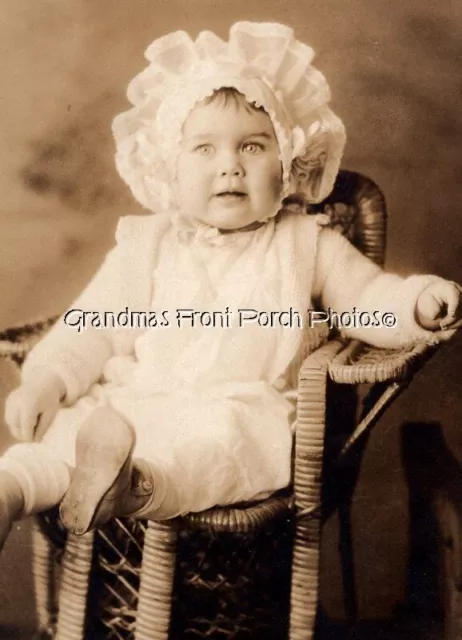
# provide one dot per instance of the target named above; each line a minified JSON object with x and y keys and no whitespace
{"x":394,"y":70}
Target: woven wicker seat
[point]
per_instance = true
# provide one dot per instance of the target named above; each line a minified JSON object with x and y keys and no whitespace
{"x":251,"y":570}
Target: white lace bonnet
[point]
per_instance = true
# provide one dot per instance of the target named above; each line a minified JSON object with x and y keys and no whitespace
{"x":265,"y":63}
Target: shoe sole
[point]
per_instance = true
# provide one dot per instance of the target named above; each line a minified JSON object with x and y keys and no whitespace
{"x":102,"y":451}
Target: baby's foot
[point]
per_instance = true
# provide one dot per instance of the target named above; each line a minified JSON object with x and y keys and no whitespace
{"x":103,"y":471}
{"x":11,"y":504}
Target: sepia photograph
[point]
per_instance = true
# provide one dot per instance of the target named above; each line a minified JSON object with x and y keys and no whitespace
{"x":230,"y":345}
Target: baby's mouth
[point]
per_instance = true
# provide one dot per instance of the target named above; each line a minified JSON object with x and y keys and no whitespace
{"x":231,"y":194}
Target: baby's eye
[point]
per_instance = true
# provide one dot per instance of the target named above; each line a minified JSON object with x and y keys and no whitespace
{"x":253,"y":147}
{"x":204,"y":149}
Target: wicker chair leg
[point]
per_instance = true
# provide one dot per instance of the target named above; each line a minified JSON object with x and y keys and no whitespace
{"x":309,"y":447}
{"x":75,"y":576}
{"x":304,"y":588}
{"x":156,"y":585}
{"x":43,"y":569}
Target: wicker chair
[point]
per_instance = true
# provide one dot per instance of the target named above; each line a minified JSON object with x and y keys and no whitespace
{"x":213,"y":569}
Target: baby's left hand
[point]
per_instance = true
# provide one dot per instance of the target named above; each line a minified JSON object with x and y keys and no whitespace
{"x":438,"y":306}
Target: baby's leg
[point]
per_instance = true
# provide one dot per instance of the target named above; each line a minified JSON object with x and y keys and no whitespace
{"x":32,"y":479}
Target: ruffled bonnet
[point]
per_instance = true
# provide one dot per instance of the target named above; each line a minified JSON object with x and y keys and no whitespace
{"x":265,"y":63}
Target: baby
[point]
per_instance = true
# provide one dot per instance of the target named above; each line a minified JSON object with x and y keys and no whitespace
{"x":184,"y":415}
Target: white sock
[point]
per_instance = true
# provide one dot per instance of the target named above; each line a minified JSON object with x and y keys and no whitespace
{"x":163,"y":503}
{"x":43,"y":477}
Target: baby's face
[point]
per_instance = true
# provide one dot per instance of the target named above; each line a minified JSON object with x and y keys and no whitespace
{"x":229,"y":174}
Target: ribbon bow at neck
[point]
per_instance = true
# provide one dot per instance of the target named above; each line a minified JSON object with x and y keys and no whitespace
{"x":190,"y":229}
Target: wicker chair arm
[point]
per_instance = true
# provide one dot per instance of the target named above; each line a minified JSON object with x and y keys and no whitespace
{"x":311,"y":414}
{"x":359,"y":363}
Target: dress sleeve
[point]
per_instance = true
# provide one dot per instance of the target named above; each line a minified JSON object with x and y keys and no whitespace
{"x":78,"y":357}
{"x":348,"y":282}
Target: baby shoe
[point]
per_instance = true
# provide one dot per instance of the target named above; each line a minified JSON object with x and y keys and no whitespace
{"x":103,"y":472}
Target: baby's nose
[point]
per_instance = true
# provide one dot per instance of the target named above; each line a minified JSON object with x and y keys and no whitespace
{"x":237,"y":171}
{"x":230,"y":165}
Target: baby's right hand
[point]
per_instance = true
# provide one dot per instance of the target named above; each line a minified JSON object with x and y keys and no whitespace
{"x":33,"y":405}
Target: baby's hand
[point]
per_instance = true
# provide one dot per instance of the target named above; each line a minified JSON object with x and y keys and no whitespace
{"x":33,"y":405}
{"x":439,"y":306}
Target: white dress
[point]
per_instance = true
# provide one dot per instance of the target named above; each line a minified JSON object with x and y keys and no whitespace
{"x":201,"y":398}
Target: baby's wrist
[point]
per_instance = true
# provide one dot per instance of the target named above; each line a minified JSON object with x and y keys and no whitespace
{"x":46,"y":379}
